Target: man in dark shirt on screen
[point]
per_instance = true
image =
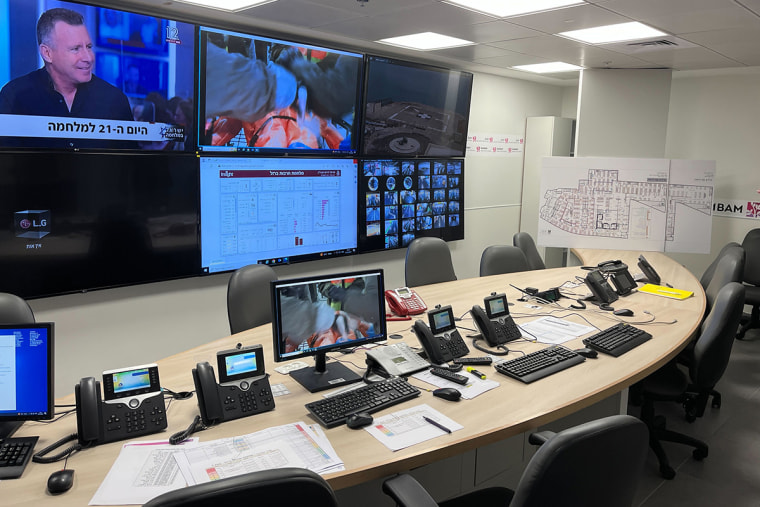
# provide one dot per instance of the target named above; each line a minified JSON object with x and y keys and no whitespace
{"x":66,"y":85}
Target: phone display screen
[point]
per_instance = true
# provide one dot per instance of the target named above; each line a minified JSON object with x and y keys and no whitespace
{"x":238,"y":364}
{"x":128,"y":382}
{"x":496,"y":306}
{"x":441,"y":320}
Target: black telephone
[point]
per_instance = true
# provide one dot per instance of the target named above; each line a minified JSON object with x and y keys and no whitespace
{"x":623,"y":282}
{"x":495,"y":323}
{"x":600,"y":288}
{"x":648,"y":270}
{"x":243,"y":389}
{"x":441,"y":341}
{"x":132,"y":405}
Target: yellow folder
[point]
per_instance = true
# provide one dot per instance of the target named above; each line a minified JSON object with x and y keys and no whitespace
{"x":668,"y":292}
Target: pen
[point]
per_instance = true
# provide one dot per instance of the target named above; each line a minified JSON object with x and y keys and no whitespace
{"x":475,"y":372}
{"x":436,"y":424}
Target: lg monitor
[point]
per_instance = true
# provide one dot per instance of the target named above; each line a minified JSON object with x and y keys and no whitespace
{"x":413,"y":110}
{"x":265,"y":95}
{"x":26,"y":375}
{"x":276,"y":210}
{"x":326,"y":313}
{"x":134,"y":79}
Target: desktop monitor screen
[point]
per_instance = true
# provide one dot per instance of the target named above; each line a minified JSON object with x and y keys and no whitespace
{"x":26,"y":374}
{"x":400,"y":200}
{"x":270,"y":96}
{"x":134,"y":85}
{"x":413,"y":110}
{"x":324,"y":313}
{"x":275,"y":210}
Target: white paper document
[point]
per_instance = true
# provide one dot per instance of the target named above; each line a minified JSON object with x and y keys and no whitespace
{"x":408,"y":427}
{"x":290,"y":445}
{"x":554,"y":331}
{"x":473,"y":388}
{"x":142,"y":471}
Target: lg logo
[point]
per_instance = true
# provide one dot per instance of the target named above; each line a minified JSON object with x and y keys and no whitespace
{"x":32,"y":224}
{"x":26,"y":223}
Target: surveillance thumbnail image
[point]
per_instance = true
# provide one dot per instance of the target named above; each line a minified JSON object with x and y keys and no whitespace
{"x":403,"y":200}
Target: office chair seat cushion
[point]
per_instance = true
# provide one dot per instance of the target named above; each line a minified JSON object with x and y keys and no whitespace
{"x":482,"y":497}
{"x":667,"y":383}
{"x":751,"y":294}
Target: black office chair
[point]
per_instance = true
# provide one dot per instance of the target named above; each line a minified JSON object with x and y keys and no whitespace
{"x":710,"y":271}
{"x":751,"y":278}
{"x":284,"y":487}
{"x":524,"y":242}
{"x":670,"y":383}
{"x":500,"y":259}
{"x":249,"y":300}
{"x":595,"y":464}
{"x":14,"y":310}
{"x":729,"y":267}
{"x":428,"y":260}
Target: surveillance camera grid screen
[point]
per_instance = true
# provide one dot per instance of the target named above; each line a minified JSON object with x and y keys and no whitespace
{"x":400,"y":200}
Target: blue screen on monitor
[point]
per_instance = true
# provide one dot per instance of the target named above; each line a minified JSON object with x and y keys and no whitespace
{"x":26,"y":372}
{"x":275,"y":210}
{"x":135,"y":86}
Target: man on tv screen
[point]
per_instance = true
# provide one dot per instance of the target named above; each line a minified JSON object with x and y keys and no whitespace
{"x":66,"y":85}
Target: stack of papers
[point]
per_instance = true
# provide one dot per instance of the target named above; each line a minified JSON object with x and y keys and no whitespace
{"x":144,"y":470}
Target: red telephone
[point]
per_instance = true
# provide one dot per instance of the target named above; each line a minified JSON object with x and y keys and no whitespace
{"x":404,"y":301}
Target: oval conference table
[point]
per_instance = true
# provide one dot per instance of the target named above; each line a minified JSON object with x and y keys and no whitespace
{"x":509,"y":410}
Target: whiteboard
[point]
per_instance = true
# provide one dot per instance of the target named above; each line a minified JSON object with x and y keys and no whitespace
{"x":626,"y":203}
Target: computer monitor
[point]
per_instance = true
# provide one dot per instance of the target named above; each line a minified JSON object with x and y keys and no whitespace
{"x":319,"y":314}
{"x":26,"y":375}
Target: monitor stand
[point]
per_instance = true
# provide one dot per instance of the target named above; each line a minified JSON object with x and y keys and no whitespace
{"x":9,"y":428}
{"x":322,"y":376}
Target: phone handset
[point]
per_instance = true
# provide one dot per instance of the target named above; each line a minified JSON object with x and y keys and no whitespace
{"x":434,"y":347}
{"x":486,"y":327}
{"x":206,"y":390}
{"x":89,"y":411}
{"x":600,"y":288}
{"x":404,"y":301}
{"x":441,"y":341}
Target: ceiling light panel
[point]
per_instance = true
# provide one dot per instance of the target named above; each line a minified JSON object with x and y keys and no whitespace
{"x":228,"y":5}
{"x":504,"y":9}
{"x":426,"y":41}
{"x":613,"y":33}
{"x":548,"y":68}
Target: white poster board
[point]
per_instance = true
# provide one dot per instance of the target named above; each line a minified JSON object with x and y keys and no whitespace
{"x":626,"y":203}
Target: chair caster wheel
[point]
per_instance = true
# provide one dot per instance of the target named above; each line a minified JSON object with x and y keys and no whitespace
{"x":690,"y":418}
{"x":699,"y":453}
{"x":716,"y":402}
{"x":667,"y":472}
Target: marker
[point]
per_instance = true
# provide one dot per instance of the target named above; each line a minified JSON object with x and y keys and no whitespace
{"x":475,"y":372}
{"x":436,"y":424}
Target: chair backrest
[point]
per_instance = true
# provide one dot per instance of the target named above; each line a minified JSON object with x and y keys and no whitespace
{"x":730,"y":268}
{"x":751,"y":245}
{"x":284,"y":487}
{"x":428,"y":260}
{"x":14,"y":310}
{"x":499,"y":259}
{"x":710,"y":271}
{"x":595,"y":464}
{"x":249,"y":300}
{"x":713,"y":347}
{"x":524,"y":242}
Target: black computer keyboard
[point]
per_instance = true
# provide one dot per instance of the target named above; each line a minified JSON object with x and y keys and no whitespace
{"x":14,"y":456}
{"x":617,"y":340}
{"x":539,"y":364}
{"x":334,"y":411}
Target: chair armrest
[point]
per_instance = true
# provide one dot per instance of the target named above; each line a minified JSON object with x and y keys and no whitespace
{"x":540,"y":437}
{"x":407,"y":492}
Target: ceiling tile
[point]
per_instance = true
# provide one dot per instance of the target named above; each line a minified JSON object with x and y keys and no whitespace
{"x":739,"y":44}
{"x":570,"y":18}
{"x":473,"y":52}
{"x":490,"y":31}
{"x":298,"y":13}
{"x":372,"y":7}
{"x":688,"y":59}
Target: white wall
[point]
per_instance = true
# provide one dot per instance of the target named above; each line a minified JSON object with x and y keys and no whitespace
{"x":716,"y":117}
{"x":134,"y":325}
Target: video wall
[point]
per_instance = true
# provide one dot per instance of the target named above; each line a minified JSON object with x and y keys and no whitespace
{"x":135,"y":148}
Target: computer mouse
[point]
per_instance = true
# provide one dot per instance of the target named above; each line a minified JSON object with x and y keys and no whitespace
{"x":623,"y":312}
{"x":448,"y":393}
{"x":358,"y":420}
{"x":60,"y":481}
{"x":589,"y":353}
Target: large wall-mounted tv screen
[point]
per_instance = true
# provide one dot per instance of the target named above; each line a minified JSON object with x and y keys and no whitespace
{"x":265,"y":95}
{"x":400,"y":200}
{"x":276,"y":210}
{"x":80,"y":221}
{"x":413,"y":110}
{"x":75,"y":76}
